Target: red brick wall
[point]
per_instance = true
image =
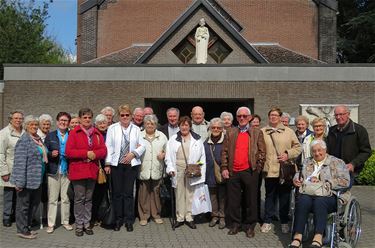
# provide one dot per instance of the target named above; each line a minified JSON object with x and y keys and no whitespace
{"x":292,"y":23}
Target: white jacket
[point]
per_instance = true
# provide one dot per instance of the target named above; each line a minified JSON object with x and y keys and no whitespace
{"x":113,"y":143}
{"x":196,"y":154}
{"x":8,"y":140}
{"x":152,"y":167}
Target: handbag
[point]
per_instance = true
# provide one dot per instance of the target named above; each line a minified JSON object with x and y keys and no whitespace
{"x":191,"y":170}
{"x":287,"y":169}
{"x":217,"y":172}
{"x":101,"y":175}
{"x":316,"y":189}
{"x":107,"y":215}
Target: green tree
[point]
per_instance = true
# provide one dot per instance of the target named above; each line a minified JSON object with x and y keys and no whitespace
{"x":356,"y":31}
{"x":22,"y":34}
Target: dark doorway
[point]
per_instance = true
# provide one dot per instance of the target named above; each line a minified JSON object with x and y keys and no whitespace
{"x":212,"y":107}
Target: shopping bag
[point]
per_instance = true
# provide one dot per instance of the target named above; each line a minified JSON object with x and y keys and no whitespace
{"x":201,"y":200}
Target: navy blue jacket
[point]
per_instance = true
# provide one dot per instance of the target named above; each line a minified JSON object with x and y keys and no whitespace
{"x":52,"y":143}
{"x":216,"y":149}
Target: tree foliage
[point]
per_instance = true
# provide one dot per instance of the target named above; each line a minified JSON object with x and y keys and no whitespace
{"x":22,"y":34}
{"x":356,"y":31}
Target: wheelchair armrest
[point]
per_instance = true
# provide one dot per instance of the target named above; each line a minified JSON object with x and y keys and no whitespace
{"x":342,"y":190}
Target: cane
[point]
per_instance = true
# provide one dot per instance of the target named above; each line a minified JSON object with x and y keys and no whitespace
{"x":173,"y":209}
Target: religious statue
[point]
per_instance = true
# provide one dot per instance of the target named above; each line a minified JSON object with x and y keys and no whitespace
{"x":201,"y":42}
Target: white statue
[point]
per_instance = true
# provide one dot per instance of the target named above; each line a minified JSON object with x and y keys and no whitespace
{"x":201,"y":42}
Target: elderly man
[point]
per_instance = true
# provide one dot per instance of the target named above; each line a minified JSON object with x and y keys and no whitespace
{"x":9,"y":136}
{"x":200,"y":125}
{"x":349,"y":141}
{"x":109,"y":112}
{"x":243,"y":156}
{"x":171,"y":128}
{"x":138,"y":115}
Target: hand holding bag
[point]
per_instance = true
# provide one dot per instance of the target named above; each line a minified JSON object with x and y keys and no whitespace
{"x":191,"y":170}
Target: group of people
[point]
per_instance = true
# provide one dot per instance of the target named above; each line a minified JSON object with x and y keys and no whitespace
{"x":138,"y":153}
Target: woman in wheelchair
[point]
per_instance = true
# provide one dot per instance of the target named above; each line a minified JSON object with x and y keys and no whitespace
{"x":321,"y":175}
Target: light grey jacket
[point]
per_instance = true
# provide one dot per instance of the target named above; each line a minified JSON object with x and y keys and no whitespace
{"x":8,"y":140}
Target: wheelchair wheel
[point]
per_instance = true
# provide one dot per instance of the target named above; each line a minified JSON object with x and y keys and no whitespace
{"x":343,"y":245}
{"x":352,"y":222}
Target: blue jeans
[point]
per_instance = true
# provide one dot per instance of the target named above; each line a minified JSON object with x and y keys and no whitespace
{"x":320,"y":206}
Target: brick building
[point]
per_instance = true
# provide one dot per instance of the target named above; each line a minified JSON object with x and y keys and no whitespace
{"x":272,"y":27}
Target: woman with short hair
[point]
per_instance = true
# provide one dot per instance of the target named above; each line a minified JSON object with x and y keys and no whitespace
{"x":185,"y":144}
{"x":125,"y":147}
{"x":151,"y":171}
{"x":45,"y":123}
{"x":227,"y":119}
{"x":319,"y":128}
{"x":57,"y":173}
{"x":213,"y":146}
{"x":30,"y":157}
{"x":84,"y":148}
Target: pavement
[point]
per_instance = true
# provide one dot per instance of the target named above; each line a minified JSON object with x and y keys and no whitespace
{"x":156,"y":235}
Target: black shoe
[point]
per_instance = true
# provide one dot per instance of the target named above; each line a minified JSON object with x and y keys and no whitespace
{"x":178,"y":224}
{"x":89,"y":231}
{"x":79,"y":232}
{"x":129,"y":227}
{"x":117,"y":227}
{"x":234,"y":230}
{"x":7,"y":223}
{"x":191,"y":224}
{"x":316,"y":244}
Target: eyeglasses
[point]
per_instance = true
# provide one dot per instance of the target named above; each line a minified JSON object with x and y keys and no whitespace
{"x":123,"y":115}
{"x":64,"y":120}
{"x":340,"y":114}
{"x":242,"y":116}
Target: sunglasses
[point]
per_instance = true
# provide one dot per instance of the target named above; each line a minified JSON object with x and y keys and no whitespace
{"x":123,"y":115}
{"x":242,"y":116}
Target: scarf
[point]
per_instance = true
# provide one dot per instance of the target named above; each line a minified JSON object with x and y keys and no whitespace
{"x":215,"y":139}
{"x":43,"y":149}
{"x":63,"y":162}
{"x":89,"y":132}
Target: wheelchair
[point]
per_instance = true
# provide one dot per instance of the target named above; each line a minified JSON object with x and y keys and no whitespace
{"x":343,"y":228}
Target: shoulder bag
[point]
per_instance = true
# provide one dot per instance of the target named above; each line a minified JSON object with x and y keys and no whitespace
{"x":218,"y":177}
{"x":191,"y":170}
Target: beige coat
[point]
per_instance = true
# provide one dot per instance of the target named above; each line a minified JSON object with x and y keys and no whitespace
{"x":285,"y":141}
{"x":8,"y":140}
{"x":152,"y":167}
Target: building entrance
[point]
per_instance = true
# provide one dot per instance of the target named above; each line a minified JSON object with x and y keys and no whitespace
{"x":212,"y":107}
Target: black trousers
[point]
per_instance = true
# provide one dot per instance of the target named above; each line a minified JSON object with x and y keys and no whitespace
{"x":27,"y":199}
{"x":123,"y":178}
{"x":246,"y":183}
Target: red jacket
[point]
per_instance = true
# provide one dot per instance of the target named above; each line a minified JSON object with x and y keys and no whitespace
{"x":76,"y":150}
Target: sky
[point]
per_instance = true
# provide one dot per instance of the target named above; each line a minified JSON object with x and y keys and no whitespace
{"x":62,"y":23}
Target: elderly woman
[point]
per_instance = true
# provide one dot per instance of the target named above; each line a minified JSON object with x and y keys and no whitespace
{"x":281,"y":145}
{"x":57,"y":171}
{"x":84,"y":149}
{"x":321,"y":167}
{"x":285,"y":118}
{"x":9,"y":136}
{"x":227,"y":119}
{"x":101,"y":123}
{"x":30,"y":157}
{"x":213,"y":146}
{"x":302,"y":124}
{"x":151,"y":171}
{"x":74,"y":121}
{"x":184,"y":148}
{"x":319,"y":127}
{"x":125,"y":147}
{"x":45,"y":123}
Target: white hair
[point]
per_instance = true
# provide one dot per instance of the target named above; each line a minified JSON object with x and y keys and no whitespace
{"x":45,"y":117}
{"x":137,"y":110}
{"x":319,"y":142}
{"x":106,"y":109}
{"x":225,"y":114}
{"x":28,"y":119}
{"x":151,"y":118}
{"x":216,"y":120}
{"x":173,"y":109}
{"x":285,"y":114}
{"x":245,"y":108}
{"x":100,"y":118}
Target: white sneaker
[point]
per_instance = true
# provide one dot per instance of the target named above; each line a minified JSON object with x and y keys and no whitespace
{"x":68,"y":227}
{"x":265,"y":228}
{"x":284,"y":228}
{"x":158,"y":221}
{"x":50,"y":229}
